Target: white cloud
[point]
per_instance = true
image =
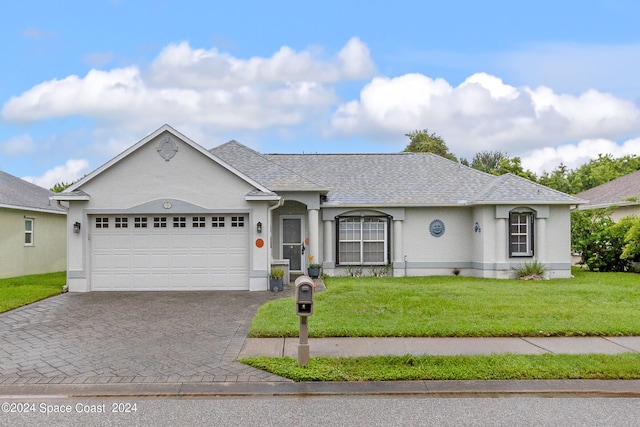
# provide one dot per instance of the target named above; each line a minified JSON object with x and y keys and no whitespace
{"x":199,"y":87}
{"x":573,"y":156}
{"x":483,"y":113}
{"x":17,"y":146}
{"x":71,"y":171}
{"x":180,"y":65}
{"x":206,"y":93}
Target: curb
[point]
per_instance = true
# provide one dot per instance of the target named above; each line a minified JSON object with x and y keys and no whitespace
{"x":435,"y":388}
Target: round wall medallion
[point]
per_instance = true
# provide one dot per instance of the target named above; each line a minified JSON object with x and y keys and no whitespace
{"x":436,"y":228}
{"x":259,"y":243}
{"x":167,"y":205}
{"x":167,"y":148}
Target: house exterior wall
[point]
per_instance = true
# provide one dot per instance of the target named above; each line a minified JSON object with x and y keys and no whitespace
{"x":426,"y":254}
{"x":143,"y":181}
{"x":558,"y":238}
{"x":463,"y":248}
{"x":621,"y":211}
{"x":46,"y":255}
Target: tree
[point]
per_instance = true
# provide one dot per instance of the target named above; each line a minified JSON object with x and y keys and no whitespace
{"x":558,"y":180}
{"x":60,"y":187}
{"x":424,"y":142}
{"x":488,"y":161}
{"x":514,"y":165}
{"x":601,"y":170}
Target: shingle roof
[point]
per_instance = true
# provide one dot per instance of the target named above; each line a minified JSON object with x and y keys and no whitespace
{"x":262,"y":169}
{"x":20,"y":194}
{"x":618,"y":191}
{"x":396,"y":179}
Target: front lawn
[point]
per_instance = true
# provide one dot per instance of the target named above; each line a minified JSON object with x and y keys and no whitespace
{"x":599,"y":304}
{"x":18,"y":291}
{"x":604,"y":304}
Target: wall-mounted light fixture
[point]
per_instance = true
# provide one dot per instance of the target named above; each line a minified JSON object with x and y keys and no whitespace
{"x":76,"y":227}
{"x":259,"y":227}
{"x":477,"y":228}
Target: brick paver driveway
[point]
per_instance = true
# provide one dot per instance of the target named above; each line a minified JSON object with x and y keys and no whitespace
{"x":130,"y":337}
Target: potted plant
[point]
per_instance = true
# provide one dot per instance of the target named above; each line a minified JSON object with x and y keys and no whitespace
{"x":275,"y":279}
{"x":314,"y":269}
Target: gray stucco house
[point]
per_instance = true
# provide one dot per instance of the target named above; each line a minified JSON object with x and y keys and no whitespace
{"x":32,"y":229}
{"x":169,"y":214}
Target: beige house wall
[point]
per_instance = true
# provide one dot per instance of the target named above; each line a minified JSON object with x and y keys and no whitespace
{"x":48,"y":252}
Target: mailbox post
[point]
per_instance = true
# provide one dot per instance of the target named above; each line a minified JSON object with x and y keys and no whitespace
{"x":304,"y":309}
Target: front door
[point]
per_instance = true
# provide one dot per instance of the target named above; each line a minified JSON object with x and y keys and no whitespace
{"x":292,"y":239}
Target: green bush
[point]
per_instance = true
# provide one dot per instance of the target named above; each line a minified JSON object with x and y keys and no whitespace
{"x":632,"y":240}
{"x":600,"y":241}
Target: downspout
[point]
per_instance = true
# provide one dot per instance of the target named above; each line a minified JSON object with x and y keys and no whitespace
{"x":278,"y":204}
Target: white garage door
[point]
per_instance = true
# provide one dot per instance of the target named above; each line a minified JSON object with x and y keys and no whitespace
{"x":169,"y":252}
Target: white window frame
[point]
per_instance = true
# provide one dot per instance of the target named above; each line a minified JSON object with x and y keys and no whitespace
{"x":359,"y":239}
{"x":30,"y":233}
{"x":521,"y":227}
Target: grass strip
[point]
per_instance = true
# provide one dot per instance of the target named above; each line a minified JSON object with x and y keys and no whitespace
{"x":481,"y":367}
{"x":18,"y":291}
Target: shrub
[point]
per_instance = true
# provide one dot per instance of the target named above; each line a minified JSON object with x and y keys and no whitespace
{"x":632,"y":240}
{"x":276,"y":273}
{"x":600,"y":241}
{"x":531,"y":270}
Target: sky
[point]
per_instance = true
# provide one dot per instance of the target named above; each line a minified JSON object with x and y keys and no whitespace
{"x":548,"y":81}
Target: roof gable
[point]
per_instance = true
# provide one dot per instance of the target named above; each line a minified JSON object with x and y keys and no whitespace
{"x":73,"y":189}
{"x":16,"y":193}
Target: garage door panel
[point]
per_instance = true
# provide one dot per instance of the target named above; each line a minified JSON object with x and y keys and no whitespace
{"x":169,"y":259}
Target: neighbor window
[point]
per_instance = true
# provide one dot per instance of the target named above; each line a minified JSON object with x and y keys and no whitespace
{"x":217,"y":222}
{"x":363,"y":240}
{"x":28,"y":231}
{"x":521,"y":234}
{"x":159,"y":222}
{"x":198,"y":222}
{"x":122,"y":222}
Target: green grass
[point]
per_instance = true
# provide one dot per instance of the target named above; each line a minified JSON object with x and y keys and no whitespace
{"x":590,"y":304}
{"x":489,"y":367}
{"x":597,"y":304}
{"x":18,"y":291}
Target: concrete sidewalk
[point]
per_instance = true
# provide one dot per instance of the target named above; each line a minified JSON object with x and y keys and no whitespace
{"x":355,"y":347}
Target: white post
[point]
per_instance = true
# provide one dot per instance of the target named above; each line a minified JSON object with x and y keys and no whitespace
{"x":313,"y":234}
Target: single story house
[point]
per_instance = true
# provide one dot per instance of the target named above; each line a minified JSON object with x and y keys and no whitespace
{"x":621,"y":194}
{"x":33,"y":233}
{"x":168,"y":214}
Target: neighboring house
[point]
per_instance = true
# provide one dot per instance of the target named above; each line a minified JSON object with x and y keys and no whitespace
{"x":167,"y":214}
{"x":621,"y":194}
{"x":32,"y":229}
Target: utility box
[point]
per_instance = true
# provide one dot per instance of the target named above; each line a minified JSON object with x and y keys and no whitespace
{"x":304,"y":296}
